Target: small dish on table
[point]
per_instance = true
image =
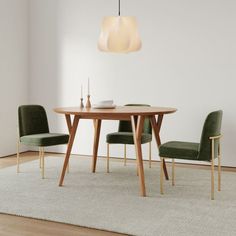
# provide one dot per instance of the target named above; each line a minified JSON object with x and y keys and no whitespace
{"x":106,"y":104}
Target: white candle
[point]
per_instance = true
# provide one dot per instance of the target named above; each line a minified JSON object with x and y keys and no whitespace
{"x":88,"y":87}
{"x":81,"y":91}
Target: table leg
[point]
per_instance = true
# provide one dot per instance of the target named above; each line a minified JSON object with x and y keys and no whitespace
{"x":69,"y":125}
{"x":68,"y":122}
{"x":137,"y":133}
{"x":96,"y":143}
{"x":69,"y":146}
{"x":156,"y":125}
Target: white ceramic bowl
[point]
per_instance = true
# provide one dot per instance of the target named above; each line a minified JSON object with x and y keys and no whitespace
{"x":105,"y":102}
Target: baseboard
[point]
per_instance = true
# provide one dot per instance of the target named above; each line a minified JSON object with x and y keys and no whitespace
{"x":14,"y":154}
{"x":131,"y":159}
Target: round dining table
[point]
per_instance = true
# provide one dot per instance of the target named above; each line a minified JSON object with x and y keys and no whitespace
{"x":136,"y":114}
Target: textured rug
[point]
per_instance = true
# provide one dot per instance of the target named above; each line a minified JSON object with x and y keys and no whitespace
{"x":111,"y":201}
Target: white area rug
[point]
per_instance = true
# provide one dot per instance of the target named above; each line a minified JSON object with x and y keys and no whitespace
{"x":111,"y":201}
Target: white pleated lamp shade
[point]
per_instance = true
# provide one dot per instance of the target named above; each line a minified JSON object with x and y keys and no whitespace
{"x":119,"y":34}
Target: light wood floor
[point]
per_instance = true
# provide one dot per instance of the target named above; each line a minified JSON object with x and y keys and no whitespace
{"x":21,"y":226}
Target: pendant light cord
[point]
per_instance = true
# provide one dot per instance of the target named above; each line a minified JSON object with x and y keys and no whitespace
{"x":119,"y":8}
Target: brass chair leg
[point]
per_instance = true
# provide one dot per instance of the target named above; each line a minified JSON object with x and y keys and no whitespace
{"x":42,"y":156}
{"x":219,"y":167}
{"x":161,"y":176}
{"x":108,"y":157}
{"x":150,"y":154}
{"x":18,"y":157}
{"x":173,"y":172}
{"x":125,"y":159}
{"x":137,"y":170}
{"x":212,"y":169}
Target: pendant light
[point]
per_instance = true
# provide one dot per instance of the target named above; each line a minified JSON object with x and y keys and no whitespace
{"x":119,"y":34}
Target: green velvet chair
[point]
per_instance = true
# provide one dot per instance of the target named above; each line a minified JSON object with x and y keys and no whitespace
{"x":207,"y":150}
{"x":34,"y":131}
{"x":125,"y":136}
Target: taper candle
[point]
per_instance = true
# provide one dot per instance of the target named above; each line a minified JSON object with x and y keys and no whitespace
{"x":88,"y":86}
{"x":81,"y":91}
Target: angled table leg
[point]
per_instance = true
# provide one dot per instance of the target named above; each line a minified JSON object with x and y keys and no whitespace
{"x":72,"y":129}
{"x":156,"y":126}
{"x":68,"y":122}
{"x":137,"y":133}
{"x":97,"y":127}
{"x":69,"y":125}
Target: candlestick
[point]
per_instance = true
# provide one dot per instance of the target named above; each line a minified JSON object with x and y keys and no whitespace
{"x":81,"y":103}
{"x":88,"y":103}
{"x":81,"y":92}
{"x":88,"y":86}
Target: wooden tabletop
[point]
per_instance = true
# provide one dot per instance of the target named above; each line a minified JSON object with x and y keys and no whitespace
{"x":120,"y":112}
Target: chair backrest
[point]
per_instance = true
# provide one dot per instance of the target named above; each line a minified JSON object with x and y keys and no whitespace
{"x":125,"y":126}
{"x":212,"y":127}
{"x":32,"y":119}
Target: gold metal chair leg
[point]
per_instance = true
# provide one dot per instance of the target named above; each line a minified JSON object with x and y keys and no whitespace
{"x":137,"y":170}
{"x":125,"y":158}
{"x":42,"y":156}
{"x":173,"y":172}
{"x":18,"y":157}
{"x":161,"y":176}
{"x":219,"y":167}
{"x":108,"y":157}
{"x":212,"y":169}
{"x":150,"y":154}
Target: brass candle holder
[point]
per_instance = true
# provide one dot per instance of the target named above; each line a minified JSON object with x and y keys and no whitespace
{"x":81,"y":103}
{"x":88,"y":103}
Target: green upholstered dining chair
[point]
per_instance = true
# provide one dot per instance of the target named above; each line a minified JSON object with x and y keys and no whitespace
{"x":207,"y":150}
{"x":125,"y":136}
{"x":34,"y":131}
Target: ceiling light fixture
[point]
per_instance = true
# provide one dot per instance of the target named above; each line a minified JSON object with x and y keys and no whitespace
{"x":119,"y":34}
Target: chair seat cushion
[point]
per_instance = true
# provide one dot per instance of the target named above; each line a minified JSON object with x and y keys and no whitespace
{"x":45,"y":139}
{"x":179,"y":150}
{"x":126,"y":138}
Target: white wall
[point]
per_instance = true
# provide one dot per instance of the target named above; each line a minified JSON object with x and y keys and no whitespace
{"x":188,"y":61}
{"x":13,"y":69}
